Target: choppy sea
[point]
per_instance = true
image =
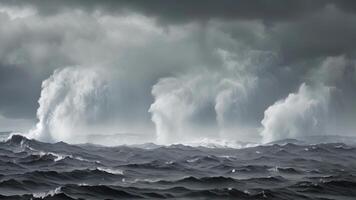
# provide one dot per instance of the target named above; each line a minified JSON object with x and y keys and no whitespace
{"x":30,"y":169}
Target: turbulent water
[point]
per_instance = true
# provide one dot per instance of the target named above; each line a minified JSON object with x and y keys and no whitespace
{"x":30,"y":169}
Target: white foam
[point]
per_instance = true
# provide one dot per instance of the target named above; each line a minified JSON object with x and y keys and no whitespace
{"x":193,"y":160}
{"x":274,"y":169}
{"x":58,"y":156}
{"x":169,"y":162}
{"x":50,"y":193}
{"x":111,"y":171}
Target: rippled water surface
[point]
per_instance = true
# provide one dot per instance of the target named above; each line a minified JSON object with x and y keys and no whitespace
{"x":31,"y":169}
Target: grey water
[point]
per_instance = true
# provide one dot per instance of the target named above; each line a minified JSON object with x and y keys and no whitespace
{"x":288,"y":169}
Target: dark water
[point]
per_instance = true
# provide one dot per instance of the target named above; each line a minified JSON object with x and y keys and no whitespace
{"x":34,"y":170}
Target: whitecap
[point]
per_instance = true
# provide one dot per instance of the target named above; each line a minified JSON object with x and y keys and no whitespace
{"x":111,"y":171}
{"x":192,"y":160}
{"x":274,"y":169}
{"x":50,"y":193}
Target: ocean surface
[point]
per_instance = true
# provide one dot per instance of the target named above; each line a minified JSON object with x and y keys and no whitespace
{"x":30,"y":169}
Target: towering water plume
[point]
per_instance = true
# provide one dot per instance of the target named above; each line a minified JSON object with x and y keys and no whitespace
{"x":301,"y":113}
{"x":72,"y":100}
{"x":210,"y":104}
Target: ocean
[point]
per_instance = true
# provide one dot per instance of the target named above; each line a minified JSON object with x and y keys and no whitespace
{"x":31,"y":169}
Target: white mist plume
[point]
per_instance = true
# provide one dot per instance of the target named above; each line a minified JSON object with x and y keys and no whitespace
{"x":179,"y":101}
{"x":71,"y":100}
{"x":232,"y":95}
{"x":176,"y":102}
{"x":300,"y":113}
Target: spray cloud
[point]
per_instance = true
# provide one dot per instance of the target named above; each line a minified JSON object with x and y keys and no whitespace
{"x":71,"y":101}
{"x":301,"y":113}
{"x":208,"y":104}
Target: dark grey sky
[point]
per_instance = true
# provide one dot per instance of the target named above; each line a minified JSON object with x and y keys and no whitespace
{"x":179,"y":69}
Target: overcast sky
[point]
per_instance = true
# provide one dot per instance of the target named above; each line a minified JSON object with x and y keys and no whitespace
{"x":176,"y":71}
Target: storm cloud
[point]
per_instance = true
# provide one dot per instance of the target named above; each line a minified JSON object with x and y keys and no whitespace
{"x":180,"y":70}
